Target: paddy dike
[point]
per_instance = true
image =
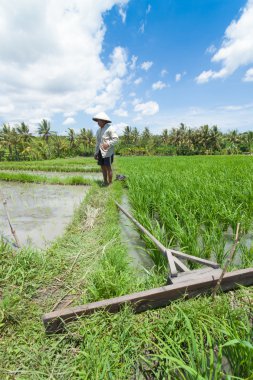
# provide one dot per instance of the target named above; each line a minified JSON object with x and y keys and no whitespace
{"x":39,"y":213}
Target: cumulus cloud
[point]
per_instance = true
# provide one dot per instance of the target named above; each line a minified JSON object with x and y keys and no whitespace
{"x":147,"y":109}
{"x":164,"y":72}
{"x":236,"y":49}
{"x":211,"y":49}
{"x":121,"y":112}
{"x":69,"y":121}
{"x":248,"y":77}
{"x":178,"y":77}
{"x":158,"y":85}
{"x":138,"y":81}
{"x":146,"y":65}
{"x":51,"y":58}
{"x":133,"y":62}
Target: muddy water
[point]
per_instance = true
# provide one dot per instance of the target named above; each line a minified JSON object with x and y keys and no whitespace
{"x":89,"y":175}
{"x":130,"y":237}
{"x":39,"y":213}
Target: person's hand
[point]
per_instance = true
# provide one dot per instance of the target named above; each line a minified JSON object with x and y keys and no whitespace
{"x":105,"y":146}
{"x":96,"y":156}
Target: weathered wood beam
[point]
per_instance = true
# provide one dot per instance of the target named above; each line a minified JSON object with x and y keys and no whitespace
{"x":163,"y":249}
{"x":150,"y":299}
{"x":195,"y":259}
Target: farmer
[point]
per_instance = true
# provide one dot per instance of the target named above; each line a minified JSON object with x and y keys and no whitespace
{"x":106,"y":139}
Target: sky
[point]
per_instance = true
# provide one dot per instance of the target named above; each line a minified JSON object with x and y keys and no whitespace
{"x":146,"y":63}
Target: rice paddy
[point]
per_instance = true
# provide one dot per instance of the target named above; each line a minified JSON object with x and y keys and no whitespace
{"x":192,"y":203}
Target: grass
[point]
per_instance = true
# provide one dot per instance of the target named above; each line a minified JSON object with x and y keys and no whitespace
{"x":195,"y":339}
{"x":32,"y":178}
{"x":57,"y":165}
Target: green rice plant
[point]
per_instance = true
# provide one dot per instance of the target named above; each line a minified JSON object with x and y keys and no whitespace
{"x":192,"y":200}
{"x":31,"y":178}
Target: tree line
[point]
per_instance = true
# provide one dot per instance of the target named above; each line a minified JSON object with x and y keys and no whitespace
{"x":18,"y":143}
{"x":185,"y":141}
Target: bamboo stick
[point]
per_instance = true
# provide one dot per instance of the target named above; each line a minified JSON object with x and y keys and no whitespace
{"x":9,"y":221}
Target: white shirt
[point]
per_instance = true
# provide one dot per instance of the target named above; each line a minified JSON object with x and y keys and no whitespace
{"x":107,"y":135}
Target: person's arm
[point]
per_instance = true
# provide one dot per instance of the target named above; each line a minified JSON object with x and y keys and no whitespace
{"x":112,"y":140}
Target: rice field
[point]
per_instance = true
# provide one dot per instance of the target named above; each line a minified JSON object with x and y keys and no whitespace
{"x":191,"y":203}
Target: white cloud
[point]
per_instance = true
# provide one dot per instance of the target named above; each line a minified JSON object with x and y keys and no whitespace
{"x":69,"y":114}
{"x":138,"y":81}
{"x":121,"y":112}
{"x":136,"y":101}
{"x":146,"y":65}
{"x":236,"y":49}
{"x":248,"y":75}
{"x":119,"y":127}
{"x":132,"y":94}
{"x":50,"y":58}
{"x":69,"y":121}
{"x":178,"y":77}
{"x":148,"y":10}
{"x":147,"y":109}
{"x":142,"y":28}
{"x":122,"y":13}
{"x":204,"y":76}
{"x":211,"y":49}
{"x":158,"y":85}
{"x":133,"y":62}
{"x":164,"y":72}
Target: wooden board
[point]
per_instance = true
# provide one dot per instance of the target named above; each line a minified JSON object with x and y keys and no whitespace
{"x":149,"y":299}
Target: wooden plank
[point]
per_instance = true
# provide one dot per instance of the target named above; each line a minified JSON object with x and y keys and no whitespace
{"x":195,"y":259}
{"x":199,"y":274}
{"x":181,"y":265}
{"x":149,"y":299}
{"x":172,"y":266}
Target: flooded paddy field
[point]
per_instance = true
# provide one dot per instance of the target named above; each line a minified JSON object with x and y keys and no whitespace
{"x":39,"y":213}
{"x":49,"y":174}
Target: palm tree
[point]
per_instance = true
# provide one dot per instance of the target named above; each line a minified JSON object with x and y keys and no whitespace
{"x":165,"y":136}
{"x":146,"y":136}
{"x":83,"y":138}
{"x":90,"y":139}
{"x":127,"y":135}
{"x":135,"y":135}
{"x":44,"y":130}
{"x":9,"y":139}
{"x":23,"y":131}
{"x":71,"y":137}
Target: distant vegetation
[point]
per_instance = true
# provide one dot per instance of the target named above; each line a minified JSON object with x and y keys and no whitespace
{"x":17,"y":143}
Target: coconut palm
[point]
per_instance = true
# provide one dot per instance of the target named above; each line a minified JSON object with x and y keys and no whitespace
{"x":71,"y":137}
{"x":44,"y":130}
{"x":23,"y":131}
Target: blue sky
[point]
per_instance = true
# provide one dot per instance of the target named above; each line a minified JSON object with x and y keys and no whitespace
{"x":145,"y":63}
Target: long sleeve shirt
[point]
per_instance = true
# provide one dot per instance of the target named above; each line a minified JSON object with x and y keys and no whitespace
{"x":107,"y":135}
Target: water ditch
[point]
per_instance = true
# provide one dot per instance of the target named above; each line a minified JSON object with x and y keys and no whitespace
{"x":136,"y":247}
{"x":39,"y":213}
